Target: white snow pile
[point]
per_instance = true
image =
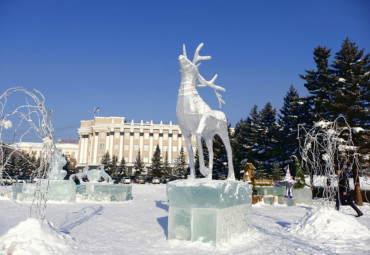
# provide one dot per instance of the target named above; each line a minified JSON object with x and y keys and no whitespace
{"x":326,"y":223}
{"x":31,"y":237}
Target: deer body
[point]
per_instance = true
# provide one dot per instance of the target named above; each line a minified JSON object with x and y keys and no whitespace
{"x":195,"y":116}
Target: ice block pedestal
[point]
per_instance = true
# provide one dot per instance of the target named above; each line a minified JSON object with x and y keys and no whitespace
{"x":58,"y":191}
{"x":104,"y":192}
{"x":209,"y":211}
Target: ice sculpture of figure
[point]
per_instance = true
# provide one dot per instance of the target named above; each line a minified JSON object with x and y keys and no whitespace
{"x":104,"y":174}
{"x":56,"y":166}
{"x":289,"y":182}
{"x":195,"y":116}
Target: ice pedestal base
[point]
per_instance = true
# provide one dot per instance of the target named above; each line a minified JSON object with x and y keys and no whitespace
{"x":59,"y":191}
{"x":104,"y":192}
{"x":209,"y":211}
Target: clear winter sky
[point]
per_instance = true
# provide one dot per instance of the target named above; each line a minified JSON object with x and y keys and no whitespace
{"x":123,"y":55}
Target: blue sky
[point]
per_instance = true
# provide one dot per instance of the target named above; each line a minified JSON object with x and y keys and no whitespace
{"x":122,"y":55}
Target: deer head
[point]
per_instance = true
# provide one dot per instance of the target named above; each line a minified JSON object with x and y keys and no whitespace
{"x":187,"y":66}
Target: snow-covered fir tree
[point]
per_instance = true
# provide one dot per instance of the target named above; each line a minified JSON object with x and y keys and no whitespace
{"x":138,"y":164}
{"x":156,"y":167}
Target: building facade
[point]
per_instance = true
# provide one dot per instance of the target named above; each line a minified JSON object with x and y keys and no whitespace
{"x":125,"y":139}
{"x":69,"y":150}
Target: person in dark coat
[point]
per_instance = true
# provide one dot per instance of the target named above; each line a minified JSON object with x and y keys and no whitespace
{"x":343,"y":196}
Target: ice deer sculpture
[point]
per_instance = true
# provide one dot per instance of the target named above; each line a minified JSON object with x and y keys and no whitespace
{"x":195,"y":116}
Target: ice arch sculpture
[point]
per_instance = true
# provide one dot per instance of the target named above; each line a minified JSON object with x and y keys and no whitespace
{"x":195,"y":116}
{"x":17,"y":121}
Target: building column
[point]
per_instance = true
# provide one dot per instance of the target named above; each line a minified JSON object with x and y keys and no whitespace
{"x":111,"y":143}
{"x":120,"y":155}
{"x":150,"y":145}
{"x":131,"y":147}
{"x":170,"y":147}
{"x":96,"y":147}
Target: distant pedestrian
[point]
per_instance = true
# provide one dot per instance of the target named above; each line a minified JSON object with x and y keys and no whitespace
{"x":343,"y":196}
{"x":77,"y":180}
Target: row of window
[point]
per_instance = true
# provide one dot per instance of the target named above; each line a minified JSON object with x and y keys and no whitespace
{"x":146,"y":147}
{"x":146,"y":136}
{"x":145,"y":160}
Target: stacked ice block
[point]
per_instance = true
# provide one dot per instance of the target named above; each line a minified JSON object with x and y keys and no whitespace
{"x":104,"y":192}
{"x":58,"y":191}
{"x":209,"y":211}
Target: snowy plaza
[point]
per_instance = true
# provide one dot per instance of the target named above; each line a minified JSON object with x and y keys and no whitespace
{"x":253,"y":135}
{"x":140,"y":227}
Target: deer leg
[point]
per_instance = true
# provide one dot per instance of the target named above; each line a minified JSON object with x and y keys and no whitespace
{"x":209,"y":143}
{"x":202,"y":123}
{"x":190,"y":154}
{"x":225,"y":139}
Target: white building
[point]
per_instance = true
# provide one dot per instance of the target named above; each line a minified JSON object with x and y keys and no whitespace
{"x":68,"y":149}
{"x":124,"y":140}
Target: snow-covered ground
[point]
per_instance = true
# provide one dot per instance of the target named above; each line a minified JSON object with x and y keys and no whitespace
{"x":140,"y":227}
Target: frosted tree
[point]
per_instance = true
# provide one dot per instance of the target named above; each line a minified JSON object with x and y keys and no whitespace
{"x":326,"y":147}
{"x":18,"y":122}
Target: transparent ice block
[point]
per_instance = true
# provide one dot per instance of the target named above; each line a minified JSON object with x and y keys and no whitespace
{"x":209,"y":211}
{"x":58,"y":191}
{"x":104,"y":192}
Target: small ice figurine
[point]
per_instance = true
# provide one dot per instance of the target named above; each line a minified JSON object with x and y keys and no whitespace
{"x":56,"y":166}
{"x":289,"y":182}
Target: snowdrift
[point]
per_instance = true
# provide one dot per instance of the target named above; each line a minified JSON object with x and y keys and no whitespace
{"x":31,"y":237}
{"x":327,"y":223}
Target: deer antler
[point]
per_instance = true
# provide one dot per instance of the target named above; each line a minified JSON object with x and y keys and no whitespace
{"x":197,"y":57}
{"x":211,"y":83}
{"x":184,"y":51}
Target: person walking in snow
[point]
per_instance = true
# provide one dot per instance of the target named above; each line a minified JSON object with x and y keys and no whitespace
{"x":343,"y":196}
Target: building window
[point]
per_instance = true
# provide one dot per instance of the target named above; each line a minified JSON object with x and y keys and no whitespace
{"x":116,"y":146}
{"x":73,"y":154}
{"x":194,"y":149}
{"x":127,"y":135}
{"x":116,"y":135}
{"x":126,"y":147}
{"x":102,"y":134}
{"x":101,"y":146}
{"x":136,"y":135}
{"x":136,"y":147}
{"x":126,"y":159}
{"x":100,"y":159}
{"x":165,"y":148}
{"x":156,"y":136}
{"x":165,"y":136}
{"x":145,"y":160}
{"x":193,"y":138}
{"x":174,"y":136}
{"x":146,"y":135}
{"x":146,"y":147}
{"x":174,"y":148}
{"x":174,"y":160}
{"x":184,"y":148}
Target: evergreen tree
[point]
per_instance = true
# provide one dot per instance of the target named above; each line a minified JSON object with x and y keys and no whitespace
{"x":319,"y":84}
{"x":245,"y":140}
{"x":294,"y":111}
{"x":114,"y":168}
{"x":268,"y":150}
{"x":106,"y":162}
{"x":277,"y":173}
{"x":181,"y":164}
{"x":351,"y":96}
{"x":300,"y":175}
{"x":122,"y":169}
{"x":166,"y":166}
{"x":156,"y":166}
{"x":139,"y":164}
